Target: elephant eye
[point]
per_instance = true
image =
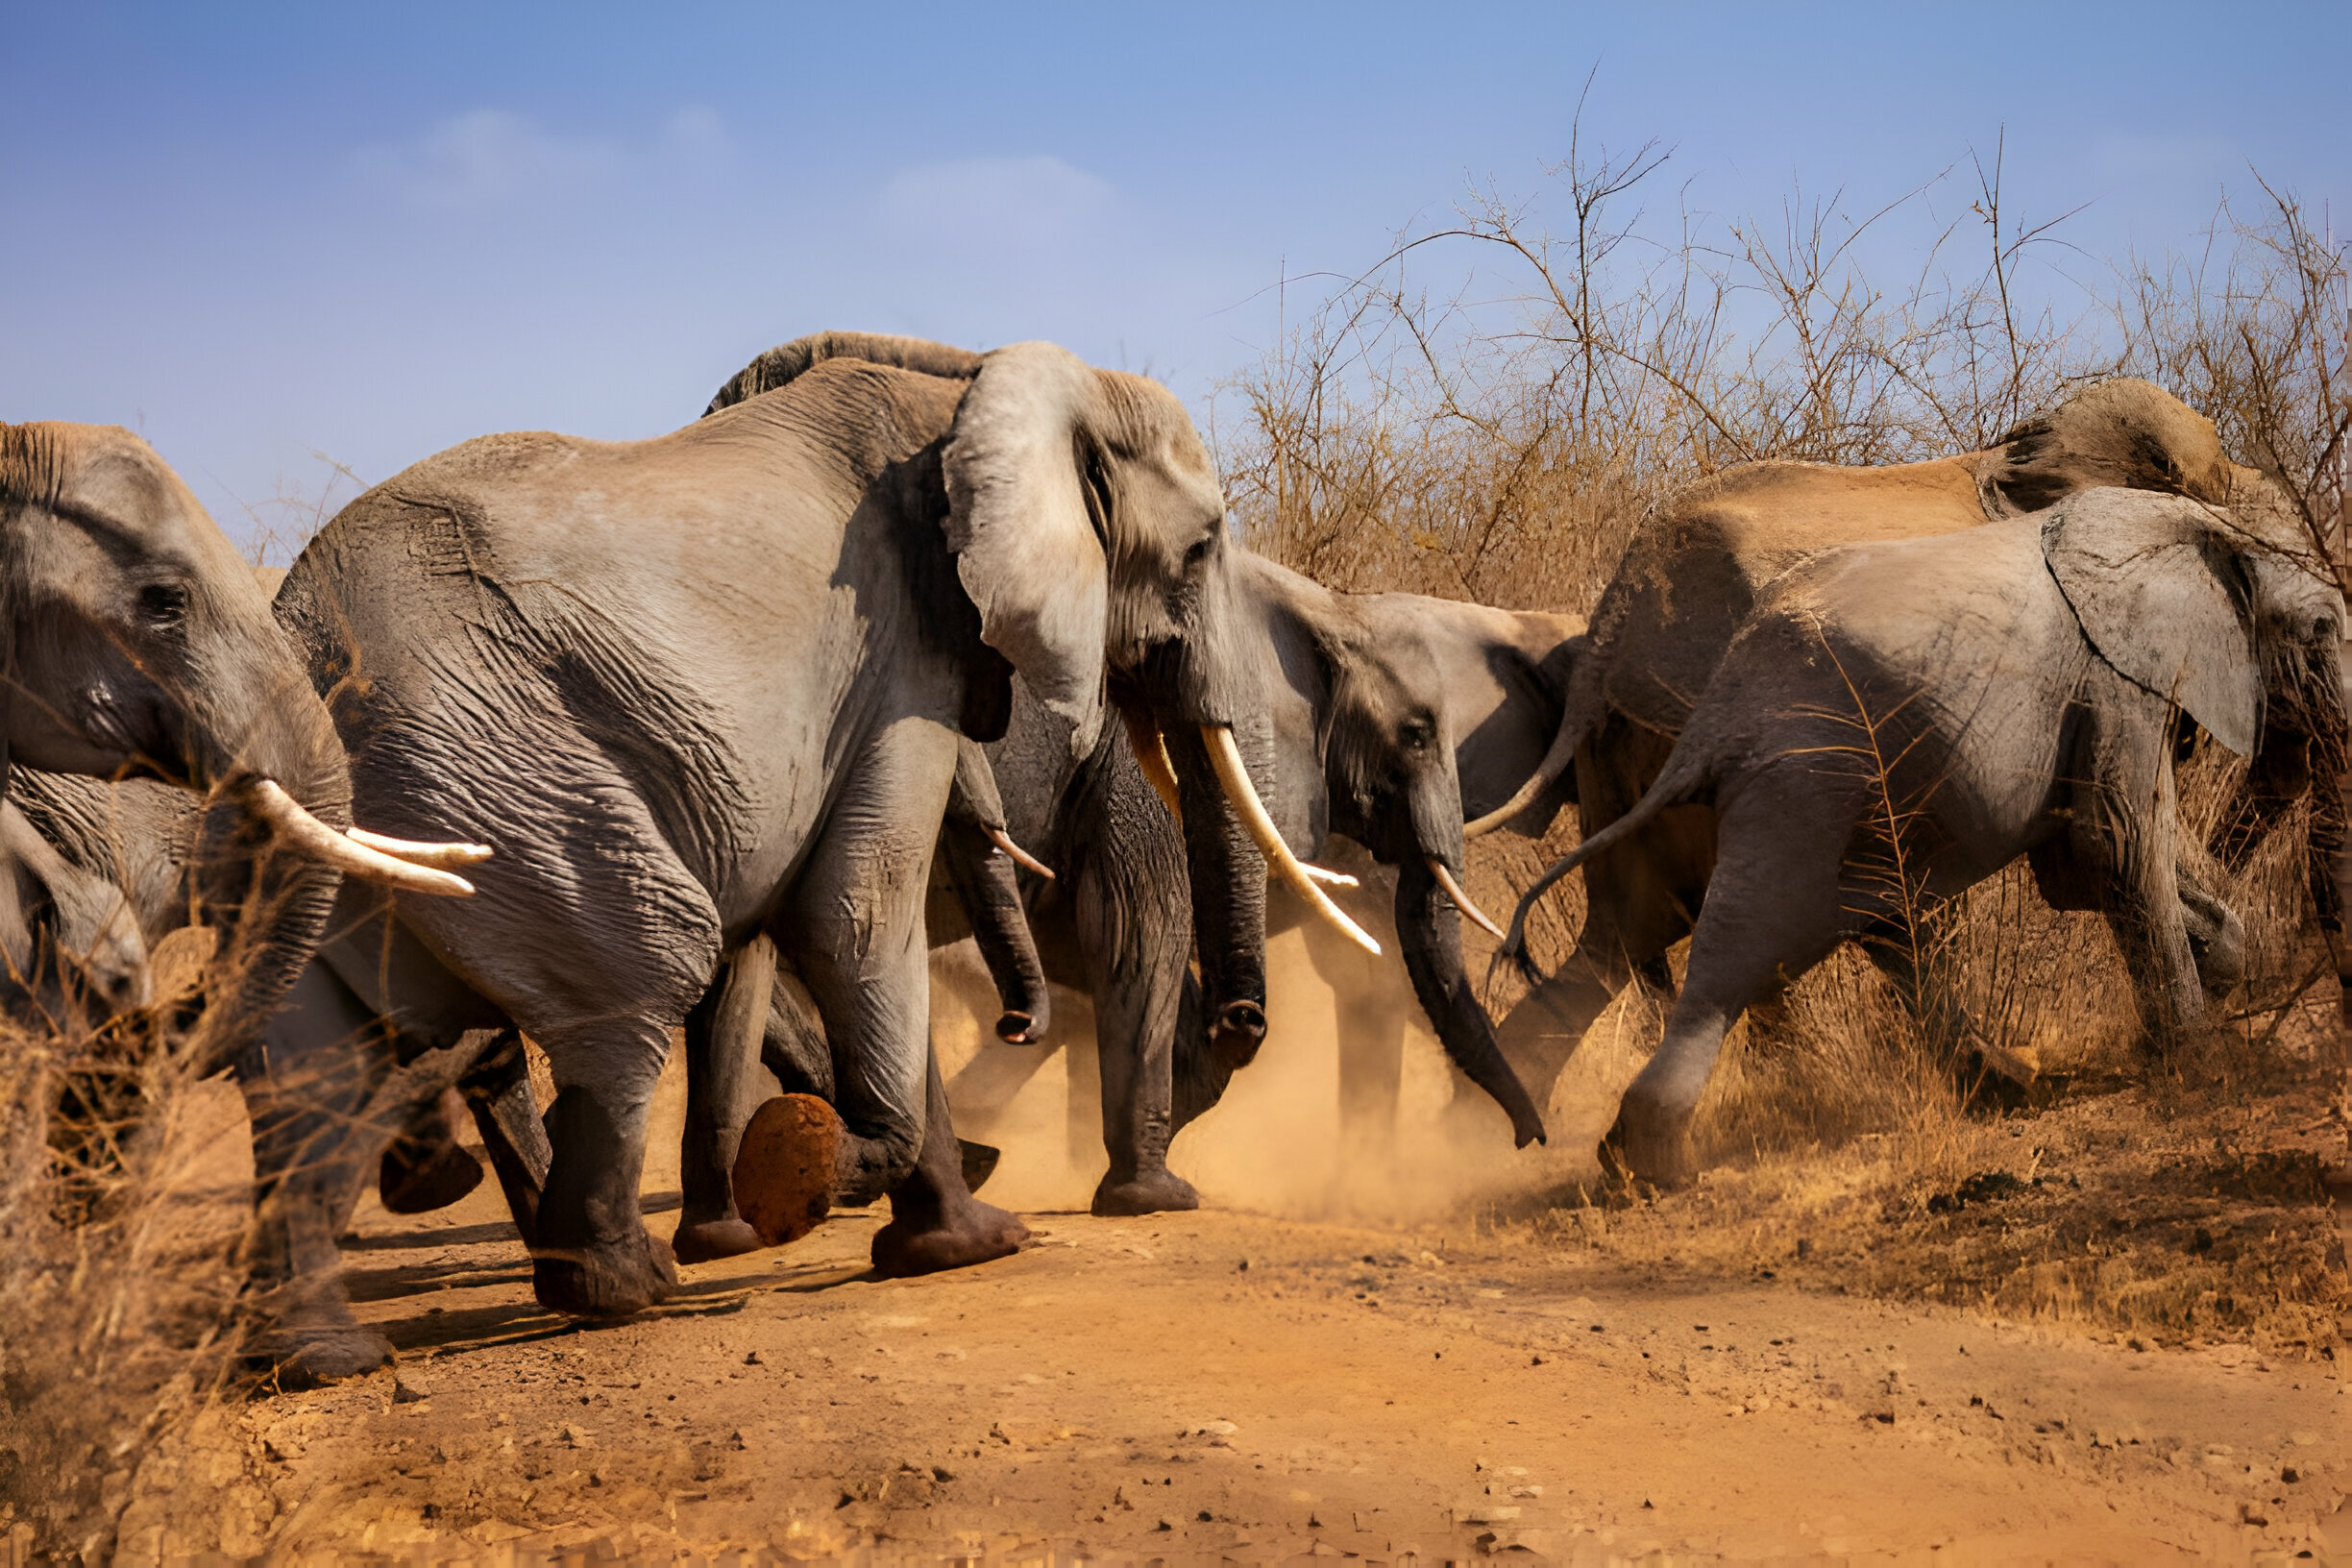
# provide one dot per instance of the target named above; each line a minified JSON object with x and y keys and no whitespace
{"x":1198,"y":553}
{"x":1418,"y":733}
{"x":163,"y":603}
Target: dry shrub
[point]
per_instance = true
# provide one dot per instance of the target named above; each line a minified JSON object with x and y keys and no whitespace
{"x":117,"y":1269}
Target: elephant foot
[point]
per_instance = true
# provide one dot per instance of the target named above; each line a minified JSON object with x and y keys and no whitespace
{"x":703,"y":1241}
{"x":1147,"y":1193}
{"x":971,"y":1233}
{"x":610,"y":1282}
{"x":416,"y":1181}
{"x":979,"y":1162}
{"x":1640,"y":1150}
{"x":784,"y":1171}
{"x":313,"y":1357}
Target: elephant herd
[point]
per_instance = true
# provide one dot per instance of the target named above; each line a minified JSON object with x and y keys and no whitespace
{"x":721,"y":733}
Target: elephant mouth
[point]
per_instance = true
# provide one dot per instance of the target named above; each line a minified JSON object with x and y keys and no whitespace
{"x":402,"y":865}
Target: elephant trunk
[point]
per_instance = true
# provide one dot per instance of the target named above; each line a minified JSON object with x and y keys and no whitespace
{"x":1430,"y":904}
{"x":1227,"y":879}
{"x":1428,"y":930}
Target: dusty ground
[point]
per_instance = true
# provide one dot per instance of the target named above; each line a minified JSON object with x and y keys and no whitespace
{"x":1225,"y":1386}
{"x":1678,"y":1383}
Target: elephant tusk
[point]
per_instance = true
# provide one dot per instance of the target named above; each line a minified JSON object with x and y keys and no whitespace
{"x":1151,"y":755}
{"x":1328,"y":877}
{"x":1461,"y":901}
{"x":1023,"y":858}
{"x":444,"y":857}
{"x":315,"y":840}
{"x":1555,"y":761}
{"x":1226,"y":757}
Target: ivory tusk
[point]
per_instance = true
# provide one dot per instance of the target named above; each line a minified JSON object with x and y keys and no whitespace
{"x":1461,"y":899}
{"x":308,"y":836}
{"x":444,"y":857}
{"x":1151,"y":755}
{"x":1329,"y":878}
{"x":1226,"y":757}
{"x":1020,"y":857}
{"x":1557,"y":758}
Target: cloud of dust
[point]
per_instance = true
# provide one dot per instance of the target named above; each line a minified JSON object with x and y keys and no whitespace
{"x":1317,"y":1128}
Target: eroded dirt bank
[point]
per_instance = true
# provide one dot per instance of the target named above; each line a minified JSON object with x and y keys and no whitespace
{"x":1221,"y":1385}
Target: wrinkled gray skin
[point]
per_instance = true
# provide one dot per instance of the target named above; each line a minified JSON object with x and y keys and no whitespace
{"x":73,"y":943}
{"x":1390,"y":714}
{"x":2024,"y":682}
{"x":135,"y":642}
{"x":557,"y":644}
{"x":1689,"y":578}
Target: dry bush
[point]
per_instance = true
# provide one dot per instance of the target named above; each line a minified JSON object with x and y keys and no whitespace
{"x":118,"y":1281}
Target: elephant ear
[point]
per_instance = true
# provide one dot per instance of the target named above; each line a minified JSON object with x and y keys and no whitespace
{"x":1026,"y":544}
{"x":2163,"y":597}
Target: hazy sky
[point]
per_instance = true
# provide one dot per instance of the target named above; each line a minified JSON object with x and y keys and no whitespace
{"x":258,"y":232}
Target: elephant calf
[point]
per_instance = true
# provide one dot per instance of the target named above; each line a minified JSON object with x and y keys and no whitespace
{"x":1899,"y":720}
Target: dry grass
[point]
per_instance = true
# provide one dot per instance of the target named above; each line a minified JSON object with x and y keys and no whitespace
{"x":118,"y":1283}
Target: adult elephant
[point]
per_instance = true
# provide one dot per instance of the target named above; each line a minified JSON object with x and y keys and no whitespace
{"x":1898,"y":721}
{"x":1689,"y":578}
{"x":1385,"y":712}
{"x":135,"y":642}
{"x":715,"y":679}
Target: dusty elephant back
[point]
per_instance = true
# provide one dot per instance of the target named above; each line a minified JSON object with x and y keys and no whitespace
{"x":1693,"y":572}
{"x":669,"y":617}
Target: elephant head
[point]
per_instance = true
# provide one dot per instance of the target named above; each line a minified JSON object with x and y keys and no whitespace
{"x":2226,"y":614}
{"x":135,"y":642}
{"x":1368,"y":741}
{"x":1089,"y":529}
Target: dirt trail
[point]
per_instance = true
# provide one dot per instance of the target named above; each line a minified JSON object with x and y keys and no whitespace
{"x":1224,"y":1386}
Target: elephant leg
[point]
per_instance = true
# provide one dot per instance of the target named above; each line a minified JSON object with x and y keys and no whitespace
{"x":423,"y":1167}
{"x":1371,"y":1026}
{"x":1774,"y":910}
{"x":725,"y":1035}
{"x":854,"y":927}
{"x":2217,"y":936}
{"x":1372,"y":1069}
{"x":1136,"y":966}
{"x":936,"y":1223}
{"x":1082,"y":1106}
{"x":594,"y":1257}
{"x":498,"y":1093}
{"x":314,"y":1152}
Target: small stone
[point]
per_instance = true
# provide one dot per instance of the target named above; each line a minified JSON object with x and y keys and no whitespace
{"x":403,"y":1393}
{"x":753,"y":1359}
{"x":735,"y":1439}
{"x":574,"y":1437}
{"x":1205,"y":1516}
{"x":940,"y":1473}
{"x":1164,"y":1523}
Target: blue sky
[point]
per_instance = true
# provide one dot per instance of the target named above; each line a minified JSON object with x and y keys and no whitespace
{"x":370,"y":231}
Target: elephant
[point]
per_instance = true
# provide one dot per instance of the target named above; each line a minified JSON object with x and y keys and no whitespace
{"x":562,"y":636}
{"x":135,"y":644}
{"x":1387,"y":711}
{"x":1688,"y":581}
{"x":1897,"y":720}
{"x":74,"y":950}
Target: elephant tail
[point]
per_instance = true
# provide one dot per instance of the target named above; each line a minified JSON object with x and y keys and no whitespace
{"x":1574,"y":726}
{"x":1686,"y":771}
